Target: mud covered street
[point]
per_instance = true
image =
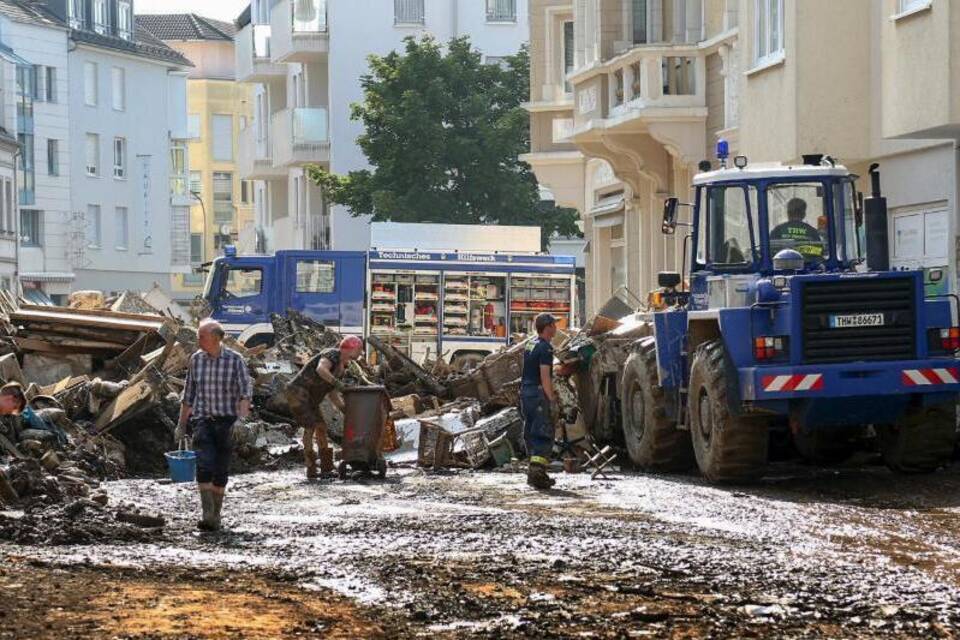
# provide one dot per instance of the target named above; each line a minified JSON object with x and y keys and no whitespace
{"x":856,"y":552}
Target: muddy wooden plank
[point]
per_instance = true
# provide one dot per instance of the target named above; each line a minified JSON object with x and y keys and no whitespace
{"x":100,"y":319}
{"x":10,"y":369}
{"x":130,"y":402}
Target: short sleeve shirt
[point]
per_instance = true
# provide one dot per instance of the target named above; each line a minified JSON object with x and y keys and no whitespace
{"x":537,"y":353}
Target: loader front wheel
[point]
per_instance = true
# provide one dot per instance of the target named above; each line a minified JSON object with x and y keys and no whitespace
{"x":922,"y":441}
{"x":652,"y":439}
{"x":728,"y":447}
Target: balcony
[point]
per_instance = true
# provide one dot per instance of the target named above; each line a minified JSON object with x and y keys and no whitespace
{"x":253,"y":55}
{"x":299,"y":31}
{"x":255,"y":161}
{"x":300,"y":137}
{"x":180,"y":195}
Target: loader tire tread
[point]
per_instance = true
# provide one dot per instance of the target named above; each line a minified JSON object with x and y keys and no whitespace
{"x":736,"y":449}
{"x":653,"y":441}
{"x":922,"y":441}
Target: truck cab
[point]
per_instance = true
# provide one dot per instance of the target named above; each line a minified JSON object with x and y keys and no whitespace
{"x":327,"y":286}
{"x":785,"y":330}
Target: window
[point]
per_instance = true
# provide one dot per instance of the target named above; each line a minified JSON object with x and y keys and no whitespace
{"x":797,"y":220}
{"x":53,"y":157}
{"x":193,"y":126}
{"x":51,"y":84}
{"x":178,"y":168}
{"x":93,"y":154}
{"x":909,"y":5}
{"x":729,"y":227}
{"x":501,"y":10}
{"x":100,"y":16}
{"x":769,"y":30}
{"x":119,"y":158}
{"x":845,"y":222}
{"x":90,"y":84}
{"x":246,"y":192}
{"x":639,"y":21}
{"x":222,"y":137}
{"x":118,"y":83}
{"x":30,"y":228}
{"x":408,"y":12}
{"x":568,"y":53}
{"x":122,"y":228}
{"x":316,"y":276}
{"x":196,"y":248}
{"x":195,"y":182}
{"x":39,"y":82}
{"x":28,"y":181}
{"x":242,"y":283}
{"x":26,"y":81}
{"x":93,"y":226}
{"x":222,"y":197}
{"x":77,"y":11}
{"x":7,"y":196}
{"x":125,"y":20}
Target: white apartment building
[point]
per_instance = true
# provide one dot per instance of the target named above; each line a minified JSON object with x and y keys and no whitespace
{"x":306,"y":58}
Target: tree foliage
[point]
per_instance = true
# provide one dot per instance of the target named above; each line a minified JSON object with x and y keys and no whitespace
{"x":443,"y":133}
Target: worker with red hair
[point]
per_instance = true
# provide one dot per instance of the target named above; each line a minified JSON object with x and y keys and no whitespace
{"x":321,"y":376}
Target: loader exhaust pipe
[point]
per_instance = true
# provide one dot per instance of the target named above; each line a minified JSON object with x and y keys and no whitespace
{"x":875,"y":214}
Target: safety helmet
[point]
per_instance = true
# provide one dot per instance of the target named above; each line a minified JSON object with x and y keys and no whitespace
{"x":350,"y":343}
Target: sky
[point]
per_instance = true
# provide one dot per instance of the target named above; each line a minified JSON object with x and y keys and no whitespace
{"x":219,"y":9}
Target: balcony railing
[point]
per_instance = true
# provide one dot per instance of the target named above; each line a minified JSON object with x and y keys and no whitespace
{"x":300,"y":136}
{"x":309,"y":16}
{"x":645,"y":77}
{"x":501,"y":10}
{"x":254,"y":160}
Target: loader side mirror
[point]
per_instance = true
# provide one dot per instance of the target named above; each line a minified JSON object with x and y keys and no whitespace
{"x":668,"y":279}
{"x":669,"y":225}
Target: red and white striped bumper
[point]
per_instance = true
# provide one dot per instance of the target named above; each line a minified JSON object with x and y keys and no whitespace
{"x":930,"y":377}
{"x":785,"y":383}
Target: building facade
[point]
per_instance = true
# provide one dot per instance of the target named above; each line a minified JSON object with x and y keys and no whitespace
{"x":627,"y":96}
{"x":219,"y":109}
{"x":305,"y":59}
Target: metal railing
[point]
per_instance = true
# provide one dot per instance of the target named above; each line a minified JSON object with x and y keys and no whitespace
{"x":501,"y":10}
{"x":309,"y":16}
{"x":408,"y":11}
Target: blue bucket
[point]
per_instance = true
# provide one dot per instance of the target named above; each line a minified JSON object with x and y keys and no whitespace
{"x":183,"y":465}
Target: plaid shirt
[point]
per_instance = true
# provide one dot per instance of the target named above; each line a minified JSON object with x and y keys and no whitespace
{"x":216,"y":385}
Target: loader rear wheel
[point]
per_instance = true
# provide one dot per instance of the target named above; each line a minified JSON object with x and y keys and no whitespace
{"x":728,"y":447}
{"x":922,"y":441}
{"x":652,"y":439}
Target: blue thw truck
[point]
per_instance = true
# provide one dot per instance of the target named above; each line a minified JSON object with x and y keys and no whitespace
{"x":780,"y":332}
{"x":461,"y":305}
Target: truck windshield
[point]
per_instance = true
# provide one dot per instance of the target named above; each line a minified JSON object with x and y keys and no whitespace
{"x":208,"y":283}
{"x":729,"y":236}
{"x":797,"y":220}
{"x":844,"y":213}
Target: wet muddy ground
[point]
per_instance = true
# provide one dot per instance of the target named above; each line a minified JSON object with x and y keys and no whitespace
{"x":852,"y":553}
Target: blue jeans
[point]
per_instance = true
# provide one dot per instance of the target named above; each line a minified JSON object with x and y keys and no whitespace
{"x":538,"y":428}
{"x":212,"y":442}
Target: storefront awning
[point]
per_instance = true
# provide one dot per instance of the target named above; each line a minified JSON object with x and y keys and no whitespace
{"x":608,"y":212}
{"x":47,"y":276}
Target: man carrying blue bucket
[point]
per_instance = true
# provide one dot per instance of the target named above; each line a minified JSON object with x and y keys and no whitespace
{"x":217,"y":394}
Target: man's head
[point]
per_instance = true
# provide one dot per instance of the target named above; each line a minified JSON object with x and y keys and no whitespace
{"x":796,"y":209}
{"x":350,"y":348}
{"x":12,"y":399}
{"x":209,"y":336}
{"x":546,"y":326}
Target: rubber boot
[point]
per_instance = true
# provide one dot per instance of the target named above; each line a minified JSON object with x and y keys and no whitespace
{"x":217,"y":508}
{"x":537,"y":477}
{"x":206,"y":504}
{"x":326,"y":461}
{"x":311,"y":468}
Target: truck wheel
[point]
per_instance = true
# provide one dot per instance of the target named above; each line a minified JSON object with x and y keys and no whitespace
{"x":922,"y":441}
{"x":652,"y":439}
{"x":728,"y":447}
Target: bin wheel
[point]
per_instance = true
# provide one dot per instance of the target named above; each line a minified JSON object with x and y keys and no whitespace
{"x":382,"y":468}
{"x":342,"y":469}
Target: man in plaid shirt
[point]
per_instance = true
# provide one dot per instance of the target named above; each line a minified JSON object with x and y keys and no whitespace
{"x":217,"y":393}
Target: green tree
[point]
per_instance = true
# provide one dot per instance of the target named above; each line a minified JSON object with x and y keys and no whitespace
{"x":443,"y":133}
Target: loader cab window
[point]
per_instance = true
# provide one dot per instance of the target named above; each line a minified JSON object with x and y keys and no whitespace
{"x":729,"y":229}
{"x":242,"y":283}
{"x":845,"y":221}
{"x":798,"y":220}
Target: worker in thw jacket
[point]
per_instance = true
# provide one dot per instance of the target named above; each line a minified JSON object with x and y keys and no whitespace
{"x":538,"y":400}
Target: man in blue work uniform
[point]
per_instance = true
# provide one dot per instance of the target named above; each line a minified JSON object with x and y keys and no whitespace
{"x":538,"y":400}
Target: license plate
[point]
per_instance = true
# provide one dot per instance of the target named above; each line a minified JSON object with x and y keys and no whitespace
{"x":856,"y":320}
